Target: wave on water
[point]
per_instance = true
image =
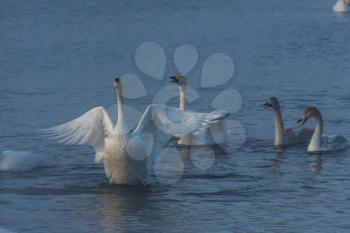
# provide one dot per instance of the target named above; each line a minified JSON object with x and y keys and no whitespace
{"x":2,"y":230}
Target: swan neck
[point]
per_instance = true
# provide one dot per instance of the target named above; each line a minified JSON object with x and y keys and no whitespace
{"x":121,"y":127}
{"x":317,"y":136}
{"x":182,"y":89}
{"x":279,"y":128}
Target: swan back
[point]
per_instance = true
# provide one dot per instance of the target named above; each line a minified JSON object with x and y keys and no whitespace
{"x":341,"y":6}
{"x":329,"y":143}
{"x":296,"y":136}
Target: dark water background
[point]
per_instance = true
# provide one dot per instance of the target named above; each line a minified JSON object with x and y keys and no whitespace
{"x":58,"y":59}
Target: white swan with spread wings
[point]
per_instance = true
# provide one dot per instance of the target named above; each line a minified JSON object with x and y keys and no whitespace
{"x":211,"y":130}
{"x":125,"y":153}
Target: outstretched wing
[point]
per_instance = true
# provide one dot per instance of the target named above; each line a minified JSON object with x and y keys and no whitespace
{"x":212,"y":116}
{"x":167,"y":119}
{"x":91,"y":128}
{"x":211,"y":119}
{"x":159,"y":123}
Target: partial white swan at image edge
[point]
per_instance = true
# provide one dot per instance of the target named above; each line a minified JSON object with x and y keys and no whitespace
{"x":19,"y":161}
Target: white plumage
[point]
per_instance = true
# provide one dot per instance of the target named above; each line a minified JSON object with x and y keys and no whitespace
{"x":91,"y":128}
{"x":341,"y":6}
{"x":211,"y":124}
{"x":125,"y":153}
{"x":19,"y":161}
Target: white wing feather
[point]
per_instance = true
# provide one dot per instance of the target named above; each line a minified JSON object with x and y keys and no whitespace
{"x":159,"y":123}
{"x":208,"y":120}
{"x":169,"y":120}
{"x":212,"y":116}
{"x":91,"y":128}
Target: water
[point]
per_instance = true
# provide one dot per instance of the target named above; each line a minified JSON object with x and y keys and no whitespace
{"x":58,"y":59}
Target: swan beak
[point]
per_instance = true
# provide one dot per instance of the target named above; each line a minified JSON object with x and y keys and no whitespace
{"x":174,"y":79}
{"x":301,"y":120}
{"x":267,"y":105}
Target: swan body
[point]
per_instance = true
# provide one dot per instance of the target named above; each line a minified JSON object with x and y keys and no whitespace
{"x":289,"y":136}
{"x":320,"y":142}
{"x":341,"y":6}
{"x":211,"y":129}
{"x":124,"y":153}
{"x":19,"y":161}
{"x":120,"y":167}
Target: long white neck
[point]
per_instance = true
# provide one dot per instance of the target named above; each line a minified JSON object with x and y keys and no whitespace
{"x":316,"y":139}
{"x":121,"y":127}
{"x":279,"y":128}
{"x":182,"y":89}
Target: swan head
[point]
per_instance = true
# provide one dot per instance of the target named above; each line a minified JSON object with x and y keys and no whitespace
{"x":116,"y":82}
{"x":178,"y":79}
{"x":117,"y":85}
{"x":308,"y":113}
{"x":272,"y":103}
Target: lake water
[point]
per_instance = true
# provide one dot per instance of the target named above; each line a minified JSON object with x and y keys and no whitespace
{"x":58,"y":60}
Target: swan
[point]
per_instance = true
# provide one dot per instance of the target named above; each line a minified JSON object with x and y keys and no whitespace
{"x":318,"y":141}
{"x":19,"y":161}
{"x":124,"y":153}
{"x":341,"y":5}
{"x":211,"y":130}
{"x":289,"y":136}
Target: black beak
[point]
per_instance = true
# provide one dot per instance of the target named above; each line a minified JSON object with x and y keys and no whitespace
{"x":117,"y":80}
{"x":267,"y":105}
{"x":301,"y":121}
{"x":173,"y":79}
